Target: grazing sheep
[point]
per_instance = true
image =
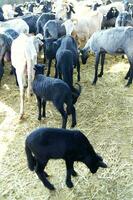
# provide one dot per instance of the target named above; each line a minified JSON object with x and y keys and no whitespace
{"x":118,"y":40}
{"x":44,"y":144}
{"x":55,"y":90}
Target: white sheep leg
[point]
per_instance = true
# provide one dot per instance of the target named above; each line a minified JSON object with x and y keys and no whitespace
{"x":20,"y":77}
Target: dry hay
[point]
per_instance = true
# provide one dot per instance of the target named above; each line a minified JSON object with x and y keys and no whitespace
{"x":104,"y":114}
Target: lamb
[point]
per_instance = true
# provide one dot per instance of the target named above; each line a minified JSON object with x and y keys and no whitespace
{"x":44,"y":144}
{"x":55,"y":90}
{"x":118,"y":40}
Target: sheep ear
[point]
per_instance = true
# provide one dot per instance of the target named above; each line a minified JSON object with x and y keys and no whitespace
{"x":102,"y":164}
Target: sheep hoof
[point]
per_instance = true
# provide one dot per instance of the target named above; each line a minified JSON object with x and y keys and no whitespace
{"x":74,"y":173}
{"x":94,"y":83}
{"x":51,"y":187}
{"x":39,"y":118}
{"x":69,"y":184}
{"x":78,"y":79}
{"x":21,"y":116}
{"x":127,"y":85}
{"x":100,"y":75}
{"x":73,"y":125}
{"x":126,"y":77}
{"x":46,"y":174}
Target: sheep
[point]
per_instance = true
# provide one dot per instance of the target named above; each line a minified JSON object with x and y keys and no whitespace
{"x":42,"y":21}
{"x":105,"y":8}
{"x":86,"y":25}
{"x":55,"y":90}
{"x":110,"y":19}
{"x":23,"y":57}
{"x":44,"y":144}
{"x":6,"y":39}
{"x":118,"y":40}
{"x":64,"y":66}
{"x":31,"y":21}
{"x":18,"y":25}
{"x":124,"y":19}
{"x":54,"y":29}
{"x":8,"y":11}
{"x":64,"y":59}
{"x":1,"y":72}
{"x":69,"y":43}
{"x":50,"y":50}
{"x":69,"y":26}
{"x":18,"y":10}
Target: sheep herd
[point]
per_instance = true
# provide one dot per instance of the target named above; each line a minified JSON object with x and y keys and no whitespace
{"x":62,"y":31}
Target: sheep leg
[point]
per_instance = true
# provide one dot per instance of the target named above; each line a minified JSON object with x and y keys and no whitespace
{"x":63,"y":114}
{"x":56,"y":71}
{"x":49,"y":66}
{"x":73,"y":117}
{"x":14,"y":72}
{"x":64,"y":117}
{"x":69,"y":167}
{"x":131,"y":74}
{"x":102,"y":64}
{"x":128,"y":74}
{"x":96,"y":68}
{"x":39,"y":107}
{"x":1,"y":72}
{"x":44,"y":108}
{"x":29,"y":72}
{"x":21,"y":88}
{"x":60,"y":75}
{"x":78,"y":69}
{"x":44,"y":52}
{"x":42,"y":175}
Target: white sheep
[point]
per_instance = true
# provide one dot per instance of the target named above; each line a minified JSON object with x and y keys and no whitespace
{"x":19,"y":25}
{"x":23,"y":57}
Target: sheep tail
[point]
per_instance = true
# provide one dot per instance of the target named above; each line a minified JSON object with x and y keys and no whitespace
{"x":30,"y":158}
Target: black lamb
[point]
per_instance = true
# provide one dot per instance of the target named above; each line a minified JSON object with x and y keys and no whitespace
{"x":52,"y":143}
{"x":55,"y":90}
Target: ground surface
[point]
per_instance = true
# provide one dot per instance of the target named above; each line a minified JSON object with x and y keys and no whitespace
{"x":104,"y":114}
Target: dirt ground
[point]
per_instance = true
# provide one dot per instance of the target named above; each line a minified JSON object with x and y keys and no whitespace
{"x":104,"y":115}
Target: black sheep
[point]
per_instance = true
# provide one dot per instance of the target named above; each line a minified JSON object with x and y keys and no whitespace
{"x":65,"y":66}
{"x":55,"y":90}
{"x":45,"y":17}
{"x":52,"y":143}
{"x":50,"y":50}
{"x":69,"y":43}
